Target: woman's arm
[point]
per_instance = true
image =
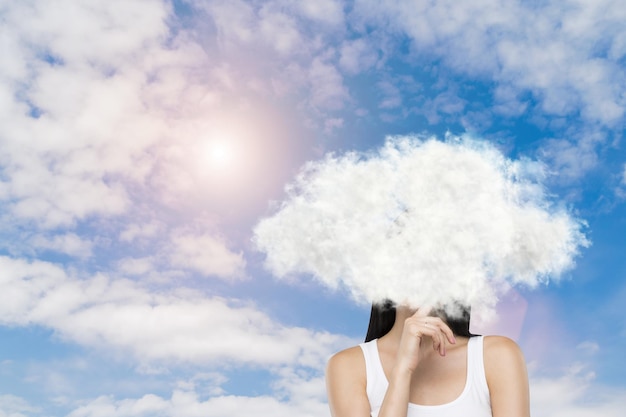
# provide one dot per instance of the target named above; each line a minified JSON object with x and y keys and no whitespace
{"x":346,"y":384}
{"x":346,"y":387}
{"x":505,"y":369}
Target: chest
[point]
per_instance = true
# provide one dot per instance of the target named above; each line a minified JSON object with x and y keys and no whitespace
{"x":437,"y":380}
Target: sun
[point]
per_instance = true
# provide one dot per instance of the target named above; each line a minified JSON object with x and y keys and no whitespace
{"x":220,"y":154}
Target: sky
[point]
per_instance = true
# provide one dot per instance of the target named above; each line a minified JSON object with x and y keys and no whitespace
{"x":142,"y":141}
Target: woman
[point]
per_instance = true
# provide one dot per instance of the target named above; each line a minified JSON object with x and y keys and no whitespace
{"x":413,"y":364}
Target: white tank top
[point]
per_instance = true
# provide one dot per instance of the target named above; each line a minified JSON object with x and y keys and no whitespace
{"x":474,"y":401}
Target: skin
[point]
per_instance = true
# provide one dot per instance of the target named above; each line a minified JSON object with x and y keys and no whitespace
{"x":426,"y":364}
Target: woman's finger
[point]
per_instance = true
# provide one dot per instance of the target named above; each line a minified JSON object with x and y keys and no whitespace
{"x":445,"y":329}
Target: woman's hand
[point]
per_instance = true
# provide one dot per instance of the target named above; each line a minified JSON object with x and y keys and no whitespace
{"x":417,"y":327}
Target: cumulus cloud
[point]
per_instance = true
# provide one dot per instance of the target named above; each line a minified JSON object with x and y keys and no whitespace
{"x":182,"y":326}
{"x":75,"y":113}
{"x":421,"y":222}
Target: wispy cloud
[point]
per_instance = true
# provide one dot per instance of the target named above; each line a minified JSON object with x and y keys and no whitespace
{"x":575,"y":394}
{"x":566,"y":54}
{"x":547,"y":60}
{"x":14,"y":406}
{"x":179,"y":326}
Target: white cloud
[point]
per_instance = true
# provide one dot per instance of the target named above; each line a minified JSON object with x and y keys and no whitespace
{"x":135,"y":231}
{"x":357,"y":56}
{"x":188,"y":404}
{"x":137,"y":266}
{"x":68,"y":243}
{"x":160,"y":253}
{"x":484,"y":223}
{"x":79,"y":109}
{"x":392,"y":98}
{"x":13,"y":406}
{"x":179,"y":326}
{"x":552,"y":50}
{"x":327,"y":88}
{"x":205,"y":254}
{"x":296,"y":395}
{"x":572,"y":158}
{"x":588,"y":347}
{"x":280,"y":30}
{"x":575,"y":394}
{"x":286,"y":47}
{"x":327,"y":11}
{"x":444,"y":104}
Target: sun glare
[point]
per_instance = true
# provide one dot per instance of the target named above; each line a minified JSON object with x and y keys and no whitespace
{"x":220,"y":154}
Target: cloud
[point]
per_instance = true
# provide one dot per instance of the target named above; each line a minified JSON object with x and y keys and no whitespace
{"x":327,"y":89}
{"x":298,"y":395}
{"x":137,"y":266}
{"x":329,"y":12}
{"x":282,"y":49}
{"x":572,"y":393}
{"x":153,"y":327}
{"x":135,"y":231}
{"x":559,"y":63}
{"x":13,"y":406}
{"x":421,"y":222}
{"x":188,"y":404}
{"x":80,"y":105}
{"x":575,"y":394}
{"x":161,"y":252}
{"x":566,"y":55}
{"x":357,"y":56}
{"x":205,"y":254}
{"x":68,"y":243}
{"x":572,"y":158}
{"x":621,"y":188}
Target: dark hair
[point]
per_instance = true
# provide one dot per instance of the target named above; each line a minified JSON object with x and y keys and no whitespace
{"x":383,"y":316}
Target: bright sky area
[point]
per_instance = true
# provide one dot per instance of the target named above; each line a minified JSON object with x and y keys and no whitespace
{"x":142,"y":141}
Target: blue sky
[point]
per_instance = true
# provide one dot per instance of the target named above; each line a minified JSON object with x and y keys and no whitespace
{"x":142,"y":141}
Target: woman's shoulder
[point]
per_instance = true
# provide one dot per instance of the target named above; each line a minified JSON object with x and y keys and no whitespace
{"x":346,"y":383}
{"x":503,"y":358}
{"x":507,"y":378}
{"x":351,"y":357}
{"x":349,"y":362}
{"x":500,"y":348}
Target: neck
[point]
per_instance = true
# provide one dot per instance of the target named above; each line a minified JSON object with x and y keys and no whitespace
{"x":402,"y":313}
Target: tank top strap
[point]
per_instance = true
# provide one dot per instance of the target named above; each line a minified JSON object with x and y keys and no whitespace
{"x":376,"y":385}
{"x":476,"y":364}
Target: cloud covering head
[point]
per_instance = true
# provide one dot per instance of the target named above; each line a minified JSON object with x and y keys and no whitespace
{"x":421,"y":222}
